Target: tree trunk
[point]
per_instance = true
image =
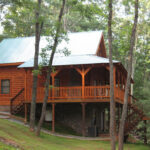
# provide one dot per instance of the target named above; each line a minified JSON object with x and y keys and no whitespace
{"x":35,"y":75}
{"x":134,"y":62}
{"x":112,"y":102}
{"x":50,"y":70}
{"x":125,"y":105}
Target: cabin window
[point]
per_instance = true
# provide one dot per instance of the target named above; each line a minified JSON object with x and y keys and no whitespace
{"x":5,"y":86}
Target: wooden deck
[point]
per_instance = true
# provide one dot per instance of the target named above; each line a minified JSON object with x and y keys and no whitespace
{"x":77,"y":94}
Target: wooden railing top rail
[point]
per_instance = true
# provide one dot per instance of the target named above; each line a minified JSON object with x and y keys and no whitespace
{"x":70,"y":87}
{"x":75,"y":87}
{"x":99,"y":86}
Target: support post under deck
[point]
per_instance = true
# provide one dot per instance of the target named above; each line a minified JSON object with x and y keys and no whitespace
{"x":83,"y":119}
{"x":53,"y":117}
{"x":25,"y":113}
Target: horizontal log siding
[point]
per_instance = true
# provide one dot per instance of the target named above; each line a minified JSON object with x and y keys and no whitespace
{"x":16,"y":77}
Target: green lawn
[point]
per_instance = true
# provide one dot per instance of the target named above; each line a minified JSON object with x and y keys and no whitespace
{"x":59,"y":128}
{"x":6,"y":147}
{"x":28,"y":141}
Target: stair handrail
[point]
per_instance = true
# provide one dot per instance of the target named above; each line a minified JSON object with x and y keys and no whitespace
{"x":13,"y":99}
{"x":133,"y":98}
{"x":134,"y":104}
{"x":140,"y":110}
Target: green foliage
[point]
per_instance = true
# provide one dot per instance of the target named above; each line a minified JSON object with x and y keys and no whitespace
{"x":19,"y":19}
{"x":79,"y":16}
{"x":36,"y":72}
{"x":46,"y":52}
{"x":141,"y":63}
{"x":53,"y":69}
{"x":2,"y":36}
{"x":51,"y":86}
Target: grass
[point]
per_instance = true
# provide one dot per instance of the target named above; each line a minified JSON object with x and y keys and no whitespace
{"x":28,"y":141}
{"x":60,"y":128}
{"x":6,"y":147}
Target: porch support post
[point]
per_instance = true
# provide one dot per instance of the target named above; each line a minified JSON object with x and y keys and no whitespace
{"x":83,"y":119}
{"x":83,"y":72}
{"x":53,"y":84}
{"x":118,"y":79}
{"x":25,"y":112}
{"x":83,"y":82}
{"x":114,"y":75}
{"x":145,"y":132}
{"x":53,"y":74}
{"x":122,"y":82}
{"x":25,"y":85}
{"x":53,"y":117}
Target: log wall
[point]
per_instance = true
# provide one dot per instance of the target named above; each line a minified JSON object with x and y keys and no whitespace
{"x":16,"y":77}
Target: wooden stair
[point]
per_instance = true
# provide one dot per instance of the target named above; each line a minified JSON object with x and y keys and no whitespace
{"x":136,"y":115}
{"x":17,"y":102}
{"x":4,"y":115}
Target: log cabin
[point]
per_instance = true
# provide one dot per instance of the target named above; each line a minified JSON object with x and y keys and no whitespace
{"x":80,"y":94}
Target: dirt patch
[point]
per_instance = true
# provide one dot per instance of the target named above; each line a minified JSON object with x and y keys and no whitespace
{"x":10,"y":143}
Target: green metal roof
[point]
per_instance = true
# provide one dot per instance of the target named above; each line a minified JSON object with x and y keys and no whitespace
{"x":22,"y":49}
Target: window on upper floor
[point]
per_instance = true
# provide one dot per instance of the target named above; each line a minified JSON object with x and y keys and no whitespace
{"x":5,"y":86}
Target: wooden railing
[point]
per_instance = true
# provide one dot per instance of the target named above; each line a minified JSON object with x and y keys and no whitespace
{"x":67,"y":92}
{"x":119,"y":94}
{"x":90,"y":92}
{"x":17,"y":101}
{"x":97,"y":92}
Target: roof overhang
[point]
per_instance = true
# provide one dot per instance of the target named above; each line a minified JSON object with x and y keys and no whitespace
{"x":71,"y":60}
{"x":11,"y":64}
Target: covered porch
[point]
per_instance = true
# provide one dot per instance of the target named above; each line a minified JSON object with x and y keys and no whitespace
{"x":86,"y":83}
